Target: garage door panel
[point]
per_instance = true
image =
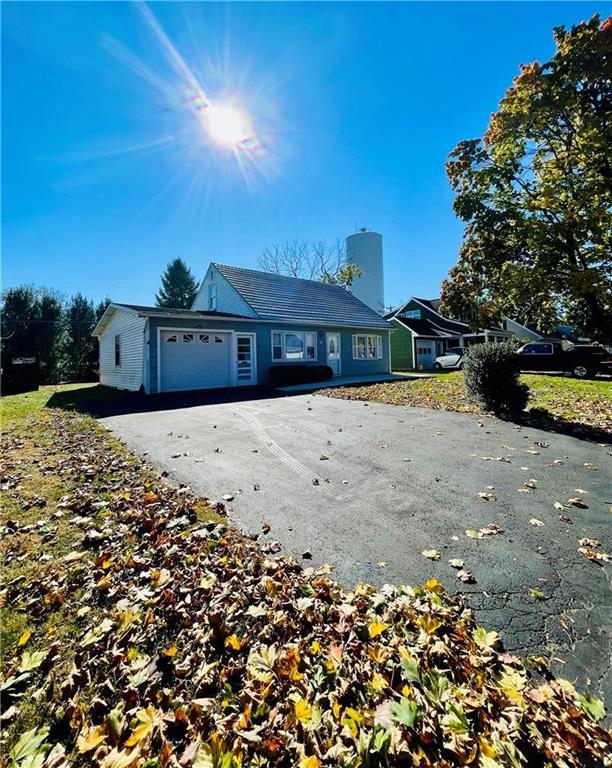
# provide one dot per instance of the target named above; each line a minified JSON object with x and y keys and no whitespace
{"x":195,"y":360}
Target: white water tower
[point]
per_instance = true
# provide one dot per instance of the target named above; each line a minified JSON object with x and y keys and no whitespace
{"x":364,"y":249}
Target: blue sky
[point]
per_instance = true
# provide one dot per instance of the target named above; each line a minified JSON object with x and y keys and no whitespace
{"x":106,"y":174}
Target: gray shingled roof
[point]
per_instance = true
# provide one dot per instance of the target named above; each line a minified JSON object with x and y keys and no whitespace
{"x":277,"y":297}
{"x":177,"y":312}
{"x":422,"y":327}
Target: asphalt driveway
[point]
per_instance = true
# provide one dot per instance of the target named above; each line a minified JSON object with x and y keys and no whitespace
{"x":368,"y":487}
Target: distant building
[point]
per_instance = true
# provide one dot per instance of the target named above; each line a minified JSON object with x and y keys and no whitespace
{"x":422,"y":334}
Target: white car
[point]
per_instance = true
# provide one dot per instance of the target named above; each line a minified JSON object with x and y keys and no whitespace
{"x":452,"y":359}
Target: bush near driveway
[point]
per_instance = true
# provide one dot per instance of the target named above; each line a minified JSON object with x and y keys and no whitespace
{"x":144,"y":635}
{"x":492,"y":378}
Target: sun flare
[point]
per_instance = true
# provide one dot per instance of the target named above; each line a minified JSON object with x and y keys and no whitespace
{"x":227,"y":126}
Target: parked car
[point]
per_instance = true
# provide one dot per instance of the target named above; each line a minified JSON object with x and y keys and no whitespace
{"x":452,"y":359}
{"x":582,"y":360}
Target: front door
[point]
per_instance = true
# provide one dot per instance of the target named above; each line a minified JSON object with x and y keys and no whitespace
{"x":245,"y":348}
{"x":333,"y":352}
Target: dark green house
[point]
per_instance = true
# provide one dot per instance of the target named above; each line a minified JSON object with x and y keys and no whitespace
{"x":422,"y":334}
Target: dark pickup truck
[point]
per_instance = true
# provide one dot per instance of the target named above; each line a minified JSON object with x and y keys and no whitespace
{"x":582,"y":360}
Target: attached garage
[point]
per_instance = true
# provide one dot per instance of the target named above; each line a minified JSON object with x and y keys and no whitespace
{"x":197,"y":359}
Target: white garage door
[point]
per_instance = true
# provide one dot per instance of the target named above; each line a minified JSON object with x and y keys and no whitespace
{"x":195,"y":360}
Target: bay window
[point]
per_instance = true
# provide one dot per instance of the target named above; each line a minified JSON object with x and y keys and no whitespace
{"x":293,"y":346}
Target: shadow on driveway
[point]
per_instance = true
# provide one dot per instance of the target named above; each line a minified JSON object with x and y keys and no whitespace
{"x":102,"y":401}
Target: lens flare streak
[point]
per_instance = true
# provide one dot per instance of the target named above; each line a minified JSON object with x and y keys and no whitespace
{"x":196,"y":98}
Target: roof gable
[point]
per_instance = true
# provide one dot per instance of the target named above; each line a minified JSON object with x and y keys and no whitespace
{"x":283,"y":298}
{"x":228,"y":298}
{"x":429,"y":311}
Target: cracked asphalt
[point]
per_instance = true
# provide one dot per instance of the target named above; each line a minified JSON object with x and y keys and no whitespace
{"x":368,"y":487}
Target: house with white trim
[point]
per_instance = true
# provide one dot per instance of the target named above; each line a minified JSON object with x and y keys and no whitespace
{"x":422,"y":333}
{"x":242,"y":323}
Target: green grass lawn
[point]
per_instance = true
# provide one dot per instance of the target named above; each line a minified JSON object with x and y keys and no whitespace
{"x":16,"y":408}
{"x":562,"y":399}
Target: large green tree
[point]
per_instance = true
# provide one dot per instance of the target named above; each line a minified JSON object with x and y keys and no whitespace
{"x":80,"y":358}
{"x":32,"y":324}
{"x":536,"y":194}
{"x":178,"y":286}
{"x":51,"y":309}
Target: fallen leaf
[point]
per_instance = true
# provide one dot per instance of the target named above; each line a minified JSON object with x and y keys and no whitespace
{"x":534,"y":521}
{"x":146,"y":720}
{"x":90,"y":738}
{"x":233,"y":642}
{"x":537,"y":594}
{"x":466,"y":577}
{"x":456,"y":563}
{"x":432,"y":554}
{"x":598,"y":557}
{"x":302,"y":711}
{"x":487,"y":496}
{"x":377,"y":628}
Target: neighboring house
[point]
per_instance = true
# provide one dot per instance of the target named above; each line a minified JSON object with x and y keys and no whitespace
{"x":531,"y":333}
{"x":422,"y":333}
{"x":241,"y":323}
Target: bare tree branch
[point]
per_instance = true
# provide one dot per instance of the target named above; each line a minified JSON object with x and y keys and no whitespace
{"x":311,"y":261}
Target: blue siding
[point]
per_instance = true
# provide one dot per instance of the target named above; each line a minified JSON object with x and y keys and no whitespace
{"x":263,"y":333}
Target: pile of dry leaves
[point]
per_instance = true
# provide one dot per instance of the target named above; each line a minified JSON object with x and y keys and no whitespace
{"x":198,"y":649}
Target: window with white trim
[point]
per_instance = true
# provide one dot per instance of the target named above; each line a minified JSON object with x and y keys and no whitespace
{"x":415,"y":314}
{"x":117,"y":351}
{"x":367,"y":347}
{"x":293,"y":346}
{"x":187,"y":338}
{"x":212,"y":296}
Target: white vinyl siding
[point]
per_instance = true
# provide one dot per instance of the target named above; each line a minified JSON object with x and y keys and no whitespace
{"x":294,"y":346}
{"x":367,"y":347}
{"x":127,"y":328}
{"x":227,"y":297}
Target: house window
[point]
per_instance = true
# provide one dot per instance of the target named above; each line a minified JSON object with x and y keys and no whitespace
{"x":171,"y":339}
{"x":415,"y":314}
{"x":366,"y":347}
{"x":423,"y":350}
{"x":218,"y":340}
{"x":277,"y":346}
{"x":204,"y":338}
{"x":187,"y":338}
{"x":294,"y":345}
{"x":311,"y":346}
{"x":212,"y":296}
{"x":117,"y":351}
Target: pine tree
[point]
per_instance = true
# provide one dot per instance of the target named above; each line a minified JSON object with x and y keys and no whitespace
{"x":178,"y":286}
{"x":79,"y":350}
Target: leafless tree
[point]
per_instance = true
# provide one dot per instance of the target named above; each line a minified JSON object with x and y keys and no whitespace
{"x":312,"y":261}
